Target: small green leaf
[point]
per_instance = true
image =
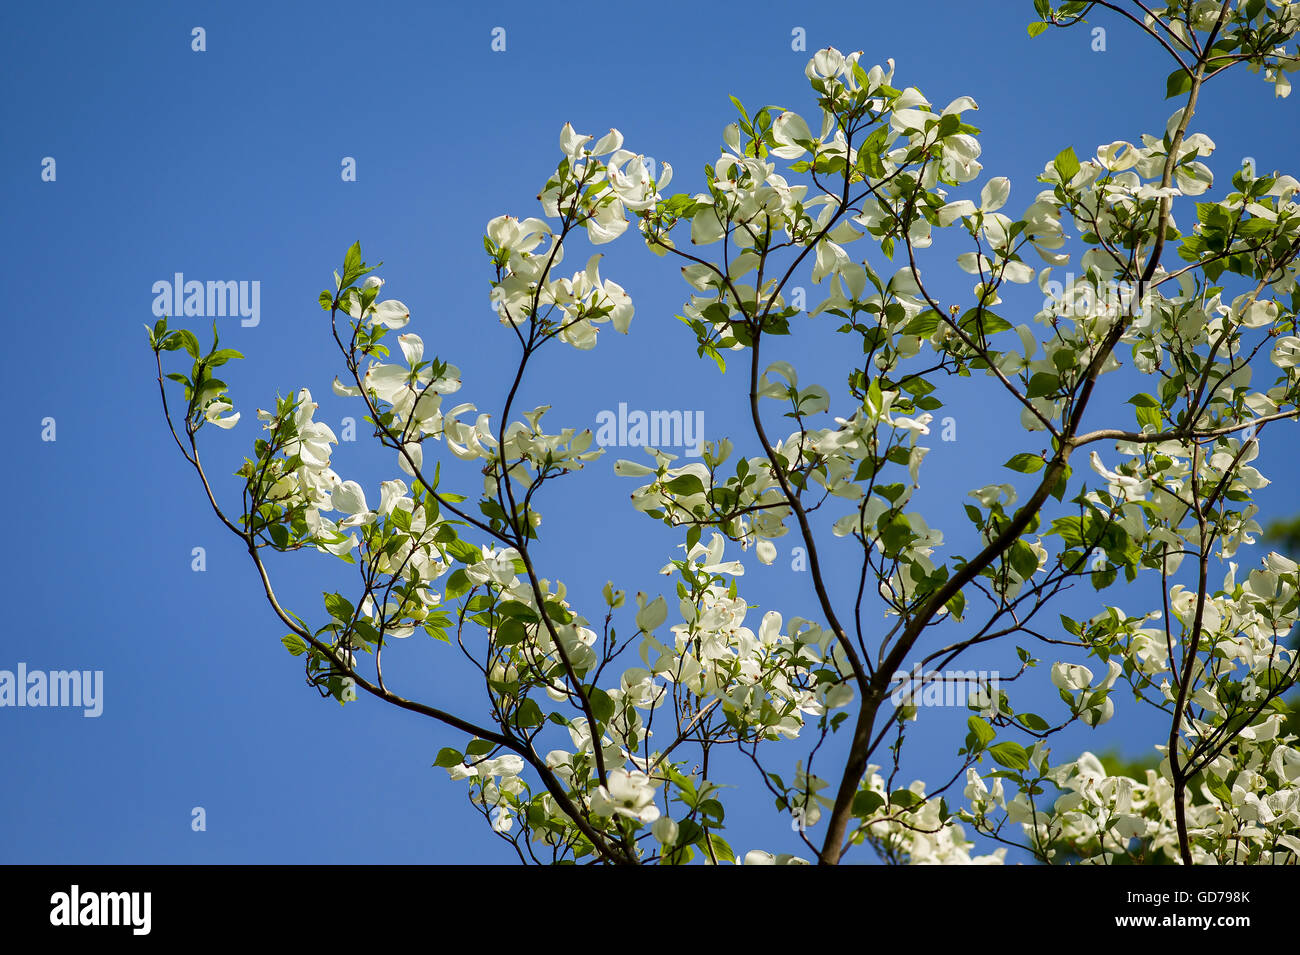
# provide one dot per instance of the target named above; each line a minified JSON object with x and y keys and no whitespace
{"x":905,"y":798}
{"x":518,"y":610}
{"x":1032,"y":721}
{"x":510,"y":633}
{"x":1026,"y":463}
{"x":721,"y":849}
{"x":448,"y":757}
{"x":352,"y":261}
{"x":1067,"y":164}
{"x":984,"y":733}
{"x":464,"y":551}
{"x":956,"y":605}
{"x":1148,"y":417}
{"x":339,"y":607}
{"x":685,"y":485}
{"x":1042,"y":384}
{"x":458,"y":583}
{"x":602,"y":704}
{"x":189,"y":342}
{"x":1023,"y":559}
{"x":294,"y":644}
{"x":1179,"y":82}
{"x":866,"y":802}
{"x":1010,"y":754}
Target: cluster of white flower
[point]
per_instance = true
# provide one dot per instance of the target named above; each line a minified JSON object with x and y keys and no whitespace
{"x":586,"y":191}
{"x":918,"y":835}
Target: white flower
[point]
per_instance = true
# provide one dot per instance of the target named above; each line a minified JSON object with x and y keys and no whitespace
{"x":759,"y":857}
{"x":215,"y":409}
{"x":412,"y":347}
{"x":652,"y":615}
{"x":391,"y":314}
{"x":1071,"y":676}
{"x":665,"y":830}
{"x":515,"y":236}
{"x":349,"y":498}
{"x":629,"y":794}
{"x":1131,"y":488}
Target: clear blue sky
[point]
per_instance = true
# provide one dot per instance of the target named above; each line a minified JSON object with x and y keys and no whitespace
{"x":225,"y":164}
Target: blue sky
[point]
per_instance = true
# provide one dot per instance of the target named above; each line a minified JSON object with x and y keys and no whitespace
{"x":225,"y":164}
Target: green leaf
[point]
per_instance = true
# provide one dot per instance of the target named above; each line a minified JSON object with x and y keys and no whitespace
{"x":1036,"y":28}
{"x":1042,"y":384}
{"x":1102,"y":579}
{"x":1010,"y":754}
{"x":1178,"y":83}
{"x":721,"y":850}
{"x":685,"y":485}
{"x":1147,"y":416}
{"x":479,"y":747}
{"x":956,"y":605}
{"x":1067,"y":164}
{"x":1023,"y":559}
{"x":1026,"y":463}
{"x":339,"y":607}
{"x":1033,"y":721}
{"x":905,"y":798}
{"x":401,"y":519}
{"x":464,"y":551}
{"x":294,"y":644}
{"x":458,"y":583}
{"x":556,"y":611}
{"x":529,"y":714}
{"x":874,"y":398}
{"x":448,"y":757}
{"x":866,"y":802}
{"x":1069,"y":529}
{"x":518,"y":610}
{"x":510,"y":633}
{"x":984,"y":733}
{"x":602,"y":704}
{"x":925,"y":324}
{"x":1062,"y":482}
{"x":189,"y":342}
{"x":352,"y":261}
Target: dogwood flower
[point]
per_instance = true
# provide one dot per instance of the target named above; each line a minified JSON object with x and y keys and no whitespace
{"x":214,"y":410}
{"x":629,"y":794}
